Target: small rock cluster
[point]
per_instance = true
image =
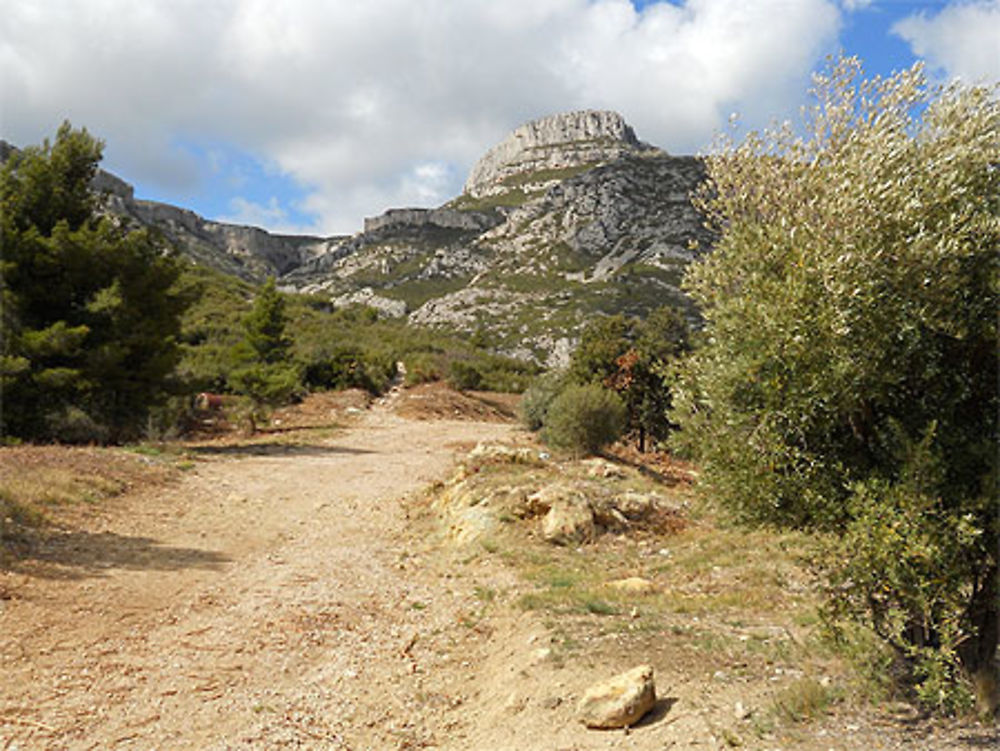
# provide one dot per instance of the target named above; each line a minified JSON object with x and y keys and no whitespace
{"x":574,"y":514}
{"x":571,"y":512}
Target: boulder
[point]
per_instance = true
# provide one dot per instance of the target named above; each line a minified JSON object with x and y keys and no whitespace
{"x":603,"y":469}
{"x":503,"y":454}
{"x":636,"y":506}
{"x":569,"y":521}
{"x":620,"y":701}
{"x":539,"y":502}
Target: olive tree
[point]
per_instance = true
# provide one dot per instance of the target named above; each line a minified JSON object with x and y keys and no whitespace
{"x":846,"y":378}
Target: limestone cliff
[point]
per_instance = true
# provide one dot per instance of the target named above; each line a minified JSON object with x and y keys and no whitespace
{"x":551,"y":145}
{"x":568,"y":217}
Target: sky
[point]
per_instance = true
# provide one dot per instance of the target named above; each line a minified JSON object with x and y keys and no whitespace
{"x":305,"y":116}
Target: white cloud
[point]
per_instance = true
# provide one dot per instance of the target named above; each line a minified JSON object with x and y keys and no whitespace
{"x":389,"y":102}
{"x":963,"y":40}
{"x":244,"y":211}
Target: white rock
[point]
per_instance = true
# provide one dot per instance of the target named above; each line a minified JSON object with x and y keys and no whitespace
{"x":620,"y":701}
{"x":569,"y":521}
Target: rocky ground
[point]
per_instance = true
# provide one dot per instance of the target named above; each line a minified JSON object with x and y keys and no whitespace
{"x":300,"y":591}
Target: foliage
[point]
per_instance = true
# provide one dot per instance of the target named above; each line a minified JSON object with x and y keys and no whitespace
{"x":265,"y":325}
{"x":90,"y":314}
{"x":211,"y":327}
{"x":584,"y":418}
{"x":464,"y":376}
{"x":539,"y":397}
{"x":348,"y":367}
{"x":631,"y":356}
{"x":850,"y":343}
{"x":263,"y":371}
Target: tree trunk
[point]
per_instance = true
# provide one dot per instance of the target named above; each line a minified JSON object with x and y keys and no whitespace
{"x":979,"y":652}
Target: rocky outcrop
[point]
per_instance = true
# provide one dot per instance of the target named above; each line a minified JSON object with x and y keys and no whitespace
{"x":558,"y":142}
{"x":248,"y":252}
{"x":476,"y":221}
{"x":366,"y":296}
{"x":570,"y":217}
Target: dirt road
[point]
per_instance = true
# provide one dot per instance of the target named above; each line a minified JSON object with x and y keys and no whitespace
{"x":294,"y":595}
{"x":270,"y":599}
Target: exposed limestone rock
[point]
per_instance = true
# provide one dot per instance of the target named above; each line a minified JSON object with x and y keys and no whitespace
{"x":638,"y":506}
{"x":569,"y":521}
{"x":602,"y":468}
{"x":539,"y":502}
{"x":553,"y":143}
{"x":477,"y":221}
{"x":575,"y":217}
{"x":366,"y":296}
{"x":248,"y":252}
{"x":620,"y":701}
{"x":498,"y":452}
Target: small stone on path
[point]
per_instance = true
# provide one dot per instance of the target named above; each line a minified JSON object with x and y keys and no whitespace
{"x":620,"y":701}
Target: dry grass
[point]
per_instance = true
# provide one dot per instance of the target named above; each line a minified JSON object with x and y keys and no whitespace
{"x":727,"y":601}
{"x":437,"y":401}
{"x":55,"y":484}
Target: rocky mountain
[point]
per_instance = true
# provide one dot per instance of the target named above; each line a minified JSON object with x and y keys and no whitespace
{"x":247,"y":252}
{"x":570,"y":216}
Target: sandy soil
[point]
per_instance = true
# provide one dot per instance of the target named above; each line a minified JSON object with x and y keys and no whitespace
{"x":280,"y":596}
{"x":270,"y":599}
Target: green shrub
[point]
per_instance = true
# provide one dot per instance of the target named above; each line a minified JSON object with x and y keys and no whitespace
{"x":582,"y":419}
{"x":538,"y":397}
{"x":425,"y":367}
{"x":349,"y":368}
{"x":464,"y":376}
{"x":846,"y":376}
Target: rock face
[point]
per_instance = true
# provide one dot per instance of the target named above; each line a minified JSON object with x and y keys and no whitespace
{"x":476,"y":221}
{"x":569,"y":217}
{"x":247,"y":252}
{"x":569,"y":521}
{"x":553,"y":143}
{"x":620,"y":701}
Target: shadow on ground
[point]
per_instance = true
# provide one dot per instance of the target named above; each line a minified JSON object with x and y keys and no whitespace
{"x":77,"y":554}
{"x":659,"y":711}
{"x":272,"y":448}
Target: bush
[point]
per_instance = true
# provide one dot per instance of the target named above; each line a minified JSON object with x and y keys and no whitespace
{"x":846,"y":378}
{"x":349,"y":368}
{"x":583,"y":419}
{"x":539,"y":397}
{"x":424,"y":367}
{"x":464,"y":376}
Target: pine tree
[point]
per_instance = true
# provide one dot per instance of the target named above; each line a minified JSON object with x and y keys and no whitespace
{"x":90,"y":319}
{"x":263,"y":370}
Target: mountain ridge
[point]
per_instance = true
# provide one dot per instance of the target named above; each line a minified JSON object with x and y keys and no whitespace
{"x":568,"y":217}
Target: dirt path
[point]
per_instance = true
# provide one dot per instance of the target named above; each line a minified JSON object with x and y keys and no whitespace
{"x":267,"y":601}
{"x":281,"y":596}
